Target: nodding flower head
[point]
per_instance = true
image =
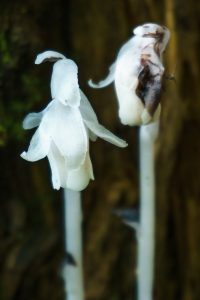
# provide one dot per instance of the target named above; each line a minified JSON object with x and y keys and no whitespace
{"x":64,"y":79}
{"x":137,"y":74}
{"x":64,"y":128}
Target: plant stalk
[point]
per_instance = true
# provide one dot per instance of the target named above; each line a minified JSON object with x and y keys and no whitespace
{"x":73,"y":274}
{"x":146,"y":234}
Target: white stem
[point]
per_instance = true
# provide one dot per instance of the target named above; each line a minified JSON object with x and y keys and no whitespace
{"x":73,"y":274}
{"x":146,"y":237}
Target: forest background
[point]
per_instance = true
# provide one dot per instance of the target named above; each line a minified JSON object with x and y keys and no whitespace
{"x":31,"y":243}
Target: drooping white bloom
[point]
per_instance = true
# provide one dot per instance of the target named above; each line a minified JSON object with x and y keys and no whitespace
{"x":137,"y":75}
{"x":64,"y":127}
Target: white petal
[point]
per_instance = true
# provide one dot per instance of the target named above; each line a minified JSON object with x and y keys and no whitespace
{"x":64,"y":83}
{"x":126,"y":83}
{"x":86,"y":109}
{"x":87,"y":113}
{"x":130,"y":44}
{"x":39,"y":146}
{"x":146,"y":29}
{"x":69,"y":134}
{"x":92,"y":123}
{"x":63,"y":177}
{"x":33,"y":119}
{"x":48,"y":56}
{"x":78,"y":179}
{"x":40,"y":142}
{"x":58,"y":167}
{"x":131,"y":108}
{"x":130,"y":105}
{"x":106,"y":135}
{"x":108,"y":80}
{"x":111,"y":76}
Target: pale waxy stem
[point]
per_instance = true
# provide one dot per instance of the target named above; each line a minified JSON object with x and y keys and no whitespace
{"x":146,"y":238}
{"x":73,"y":273}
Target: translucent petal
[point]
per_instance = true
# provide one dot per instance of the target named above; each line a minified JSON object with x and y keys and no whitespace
{"x":130,"y":44}
{"x":39,"y":146}
{"x":92,"y":123}
{"x":111,"y":76}
{"x":87,"y":112}
{"x":33,"y":119}
{"x":58,"y":167}
{"x":69,"y":134}
{"x":78,"y":179}
{"x":108,"y":80}
{"x":48,"y":56}
{"x":64,"y":83}
{"x":106,"y":135}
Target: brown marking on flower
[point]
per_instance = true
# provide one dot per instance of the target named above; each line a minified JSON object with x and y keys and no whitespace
{"x":145,"y":56}
{"x":149,"y":86}
{"x":143,"y":82}
{"x":158,"y":35}
{"x":153,"y":96}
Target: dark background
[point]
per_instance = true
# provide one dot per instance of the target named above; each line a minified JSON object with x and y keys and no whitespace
{"x":31,"y":245}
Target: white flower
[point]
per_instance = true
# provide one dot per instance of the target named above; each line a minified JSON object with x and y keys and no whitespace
{"x":65,"y":126}
{"x":137,"y":74}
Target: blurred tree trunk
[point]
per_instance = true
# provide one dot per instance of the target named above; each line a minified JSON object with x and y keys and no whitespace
{"x":31,"y":246}
{"x":178,"y":164}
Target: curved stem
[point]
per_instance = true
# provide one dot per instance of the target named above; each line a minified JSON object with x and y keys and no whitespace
{"x":146,"y":237}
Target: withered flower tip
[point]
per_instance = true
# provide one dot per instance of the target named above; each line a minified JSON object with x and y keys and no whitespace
{"x":138,"y":73}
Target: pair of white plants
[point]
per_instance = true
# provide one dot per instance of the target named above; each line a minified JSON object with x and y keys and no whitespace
{"x":68,"y":122}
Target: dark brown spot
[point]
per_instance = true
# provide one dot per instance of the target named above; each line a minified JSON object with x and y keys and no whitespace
{"x":153,"y":97}
{"x":149,"y":87}
{"x":156,"y":34}
{"x":144,"y":79}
